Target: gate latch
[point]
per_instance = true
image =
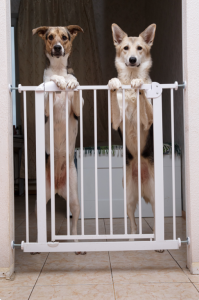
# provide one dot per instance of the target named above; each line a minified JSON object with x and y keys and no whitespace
{"x":155,"y":91}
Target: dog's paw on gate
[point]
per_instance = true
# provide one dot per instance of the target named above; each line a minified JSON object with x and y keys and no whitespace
{"x":60,"y":81}
{"x":136,"y":83}
{"x":114,"y":84}
{"x":72,"y":84}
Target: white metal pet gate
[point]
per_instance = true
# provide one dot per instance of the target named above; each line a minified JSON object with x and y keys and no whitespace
{"x":154,"y":241}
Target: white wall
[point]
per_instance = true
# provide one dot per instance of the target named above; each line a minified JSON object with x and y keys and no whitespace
{"x":191,"y":117}
{"x":6,"y":147}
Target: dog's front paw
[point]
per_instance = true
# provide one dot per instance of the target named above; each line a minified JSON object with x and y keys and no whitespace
{"x":114,"y":84}
{"x":136,"y":83}
{"x":60,"y":81}
{"x":72,"y":84}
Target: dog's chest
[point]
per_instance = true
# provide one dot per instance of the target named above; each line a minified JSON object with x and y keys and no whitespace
{"x":59,"y":110}
{"x":57,"y":69}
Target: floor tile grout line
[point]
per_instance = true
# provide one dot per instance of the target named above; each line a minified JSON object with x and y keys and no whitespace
{"x":110,"y":265}
{"x":148,"y":224}
{"x":93,"y":284}
{"x":171,"y":255}
{"x":182,"y":270}
{"x":168,"y":251}
{"x":38,"y":276}
{"x":197,"y":289}
{"x":152,"y":282}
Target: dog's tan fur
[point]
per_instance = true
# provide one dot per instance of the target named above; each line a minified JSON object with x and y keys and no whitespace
{"x":61,"y":37}
{"x":134,"y":74}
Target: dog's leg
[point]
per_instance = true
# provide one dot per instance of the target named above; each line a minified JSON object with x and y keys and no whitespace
{"x":114,"y":84}
{"x":74,"y":202}
{"x":131,"y":197}
{"x":46,"y":104}
{"x":72,"y":83}
{"x":73,"y":199}
{"x":131,"y":207}
{"x":76,"y":103}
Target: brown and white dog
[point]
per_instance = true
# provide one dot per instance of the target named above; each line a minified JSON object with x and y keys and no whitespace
{"x":58,"y":46}
{"x":133,"y":62}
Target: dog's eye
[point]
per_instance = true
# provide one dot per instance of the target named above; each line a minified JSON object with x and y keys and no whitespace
{"x":139,"y":48}
{"x":126,"y":48}
{"x":64,"y":38}
{"x":50,"y":37}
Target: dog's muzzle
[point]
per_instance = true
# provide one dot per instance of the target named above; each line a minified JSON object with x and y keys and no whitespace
{"x":133,"y":62}
{"x":57,"y":51}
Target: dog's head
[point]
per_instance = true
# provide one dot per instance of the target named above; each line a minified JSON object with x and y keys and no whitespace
{"x":58,"y":40}
{"x":132,"y":52}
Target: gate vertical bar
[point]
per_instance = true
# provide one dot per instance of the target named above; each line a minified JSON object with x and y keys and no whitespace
{"x":67,"y":167}
{"x":82,"y":155}
{"x":96,"y":177}
{"x":158,"y":168}
{"x":26,"y":165}
{"x":52,"y":167}
{"x":139,"y":164}
{"x":110,"y":163}
{"x":124,"y":161}
{"x":40,"y":164}
{"x":173,"y":166}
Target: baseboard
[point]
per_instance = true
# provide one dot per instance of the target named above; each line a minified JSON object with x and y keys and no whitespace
{"x":7,"y":272}
{"x":194,"y":268}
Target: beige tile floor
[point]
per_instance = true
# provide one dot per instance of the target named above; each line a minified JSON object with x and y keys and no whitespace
{"x":100,"y":275}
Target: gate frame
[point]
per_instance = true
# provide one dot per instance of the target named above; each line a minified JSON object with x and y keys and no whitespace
{"x":153,"y":91}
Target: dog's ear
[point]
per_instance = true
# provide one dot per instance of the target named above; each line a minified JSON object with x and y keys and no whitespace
{"x":74,"y":29}
{"x":118,"y":34}
{"x":148,"y":34}
{"x":41,"y":31}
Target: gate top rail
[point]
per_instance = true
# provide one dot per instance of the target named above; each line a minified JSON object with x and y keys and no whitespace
{"x":52,"y":87}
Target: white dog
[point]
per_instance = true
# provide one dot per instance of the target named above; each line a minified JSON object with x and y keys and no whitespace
{"x":133,"y":62}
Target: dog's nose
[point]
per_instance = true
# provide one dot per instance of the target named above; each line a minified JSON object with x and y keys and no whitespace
{"x":132,"y":60}
{"x":57,"y":48}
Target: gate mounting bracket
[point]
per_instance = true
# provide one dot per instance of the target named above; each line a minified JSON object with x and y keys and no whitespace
{"x":184,"y":242}
{"x":13,"y":245}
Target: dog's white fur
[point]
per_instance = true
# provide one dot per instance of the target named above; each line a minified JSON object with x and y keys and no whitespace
{"x":135,"y":75}
{"x":57,"y":72}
